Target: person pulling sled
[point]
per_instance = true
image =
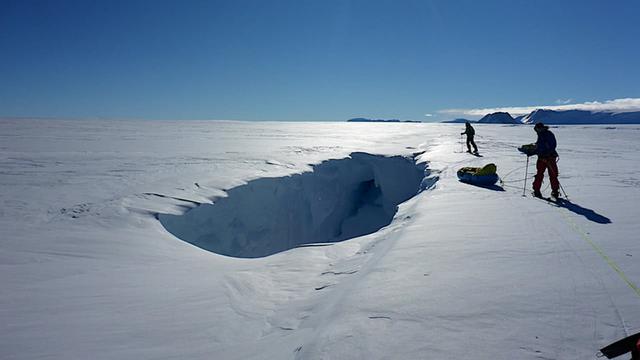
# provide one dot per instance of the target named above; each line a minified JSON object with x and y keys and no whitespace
{"x":470,"y":134}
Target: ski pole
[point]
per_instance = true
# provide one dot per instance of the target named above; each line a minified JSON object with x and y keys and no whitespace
{"x":461,"y":145}
{"x":565,"y":193}
{"x":559,"y":183}
{"x":526,"y":172}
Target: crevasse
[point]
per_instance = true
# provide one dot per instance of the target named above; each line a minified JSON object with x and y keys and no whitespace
{"x":340,"y":199}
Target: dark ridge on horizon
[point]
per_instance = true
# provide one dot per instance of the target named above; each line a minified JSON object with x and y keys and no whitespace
{"x":383,"y":120}
{"x":559,"y":117}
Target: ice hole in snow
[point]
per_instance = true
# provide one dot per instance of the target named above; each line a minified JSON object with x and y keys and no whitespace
{"x":340,"y":199}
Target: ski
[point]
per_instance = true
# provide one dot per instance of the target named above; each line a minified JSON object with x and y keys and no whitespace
{"x":549,"y":199}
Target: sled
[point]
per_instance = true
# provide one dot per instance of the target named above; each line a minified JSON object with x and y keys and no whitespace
{"x":485,"y":175}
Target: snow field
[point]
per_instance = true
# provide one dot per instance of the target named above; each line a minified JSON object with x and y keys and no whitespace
{"x":459,"y":272}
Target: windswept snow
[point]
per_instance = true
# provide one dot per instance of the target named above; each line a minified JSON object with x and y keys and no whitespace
{"x":454,"y":272}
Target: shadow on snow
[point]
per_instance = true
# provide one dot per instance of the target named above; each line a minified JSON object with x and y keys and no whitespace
{"x":588,"y":213}
{"x":488,"y":187}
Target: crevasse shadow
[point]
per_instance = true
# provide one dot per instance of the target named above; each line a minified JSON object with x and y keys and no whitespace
{"x":340,"y":199}
{"x":588,"y":213}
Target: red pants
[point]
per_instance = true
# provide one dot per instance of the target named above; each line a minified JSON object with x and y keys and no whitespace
{"x":542,"y":165}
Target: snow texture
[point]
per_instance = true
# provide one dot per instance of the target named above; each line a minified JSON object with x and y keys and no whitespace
{"x":87,"y":270}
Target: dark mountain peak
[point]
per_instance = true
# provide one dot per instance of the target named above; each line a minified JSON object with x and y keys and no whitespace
{"x":498,"y":118}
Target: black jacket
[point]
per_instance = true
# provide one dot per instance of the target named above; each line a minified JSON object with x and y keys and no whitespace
{"x":469,"y":131}
{"x":546,"y":144}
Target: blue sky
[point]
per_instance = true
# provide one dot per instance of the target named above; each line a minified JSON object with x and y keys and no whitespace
{"x":313,"y":60}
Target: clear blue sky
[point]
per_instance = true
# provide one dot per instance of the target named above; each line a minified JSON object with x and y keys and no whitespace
{"x":311,"y":60}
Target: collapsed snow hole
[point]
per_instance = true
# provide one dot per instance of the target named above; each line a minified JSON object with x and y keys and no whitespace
{"x":340,"y":199}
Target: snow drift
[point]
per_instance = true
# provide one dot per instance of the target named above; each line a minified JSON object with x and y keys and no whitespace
{"x":340,"y":199}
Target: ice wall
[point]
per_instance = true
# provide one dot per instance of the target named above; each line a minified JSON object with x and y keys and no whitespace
{"x":340,"y":199}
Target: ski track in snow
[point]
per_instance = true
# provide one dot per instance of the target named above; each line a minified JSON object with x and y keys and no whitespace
{"x":83,"y":257}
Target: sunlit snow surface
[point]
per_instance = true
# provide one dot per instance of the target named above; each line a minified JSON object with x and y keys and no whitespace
{"x":461,"y":272}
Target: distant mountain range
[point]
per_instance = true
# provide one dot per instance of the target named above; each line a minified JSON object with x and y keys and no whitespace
{"x":553,"y":117}
{"x":382,"y":120}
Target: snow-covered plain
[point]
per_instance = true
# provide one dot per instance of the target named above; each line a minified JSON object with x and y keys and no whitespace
{"x":87,"y":271}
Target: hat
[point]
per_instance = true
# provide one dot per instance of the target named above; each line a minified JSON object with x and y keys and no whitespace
{"x":540,"y":126}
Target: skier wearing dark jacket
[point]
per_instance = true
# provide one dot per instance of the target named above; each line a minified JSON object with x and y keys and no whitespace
{"x":470,"y":133}
{"x":547,"y":160}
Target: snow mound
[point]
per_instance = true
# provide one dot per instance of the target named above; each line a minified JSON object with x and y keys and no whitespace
{"x":340,"y":199}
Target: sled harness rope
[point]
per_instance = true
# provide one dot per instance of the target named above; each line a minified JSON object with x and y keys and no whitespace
{"x":600,"y":252}
{"x":583,"y":234}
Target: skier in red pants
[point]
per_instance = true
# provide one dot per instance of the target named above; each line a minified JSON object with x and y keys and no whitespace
{"x":547,"y":160}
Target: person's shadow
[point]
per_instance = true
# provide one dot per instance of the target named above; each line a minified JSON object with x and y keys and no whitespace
{"x":588,"y":213}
